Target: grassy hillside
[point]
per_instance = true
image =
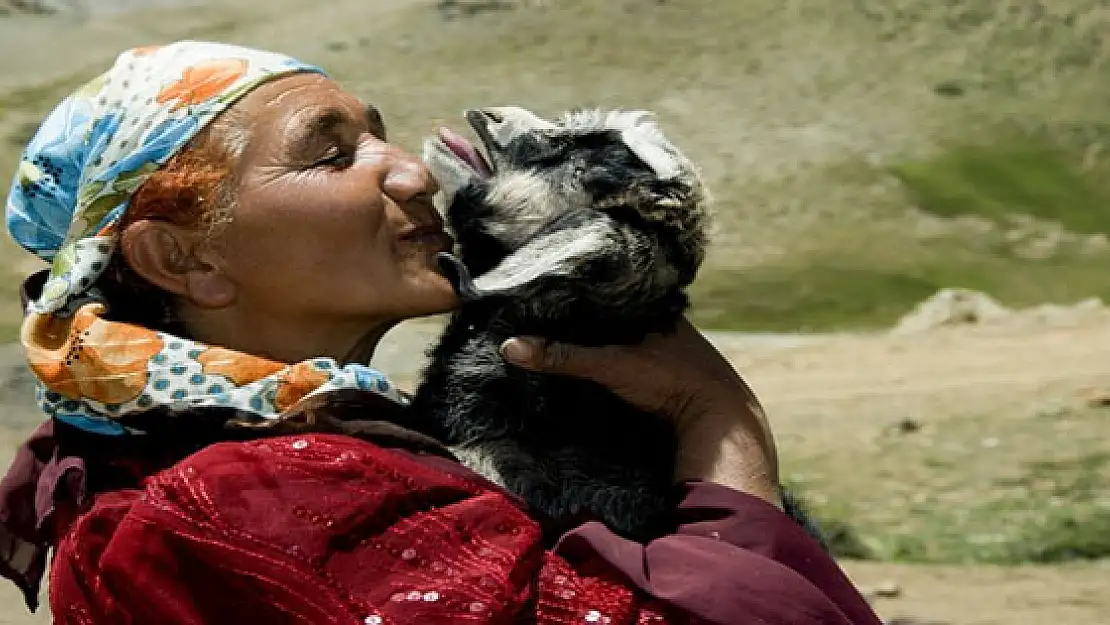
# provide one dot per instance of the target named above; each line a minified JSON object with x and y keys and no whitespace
{"x":937,"y":494}
{"x":863,"y":153}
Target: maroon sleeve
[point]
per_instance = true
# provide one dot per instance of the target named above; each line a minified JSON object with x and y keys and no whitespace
{"x":733,"y":559}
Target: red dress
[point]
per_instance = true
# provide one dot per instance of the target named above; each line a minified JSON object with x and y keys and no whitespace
{"x":331,"y":529}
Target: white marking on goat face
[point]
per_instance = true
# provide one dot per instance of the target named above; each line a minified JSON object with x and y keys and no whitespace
{"x":640,"y":133}
{"x":514,"y":121}
{"x":523,"y":202}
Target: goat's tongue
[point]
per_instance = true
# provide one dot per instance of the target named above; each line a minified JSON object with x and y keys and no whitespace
{"x":464,"y":150}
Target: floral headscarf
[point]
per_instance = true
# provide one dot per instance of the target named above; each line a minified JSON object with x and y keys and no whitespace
{"x":74,"y":182}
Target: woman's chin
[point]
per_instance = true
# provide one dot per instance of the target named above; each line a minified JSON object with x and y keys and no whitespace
{"x":433,"y":295}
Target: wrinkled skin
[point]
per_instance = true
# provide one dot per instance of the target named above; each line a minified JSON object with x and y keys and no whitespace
{"x":333,"y":237}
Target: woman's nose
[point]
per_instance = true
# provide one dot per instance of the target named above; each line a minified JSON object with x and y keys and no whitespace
{"x":407,"y":178}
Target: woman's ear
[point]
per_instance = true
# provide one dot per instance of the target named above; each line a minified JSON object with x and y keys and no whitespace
{"x":175,"y":259}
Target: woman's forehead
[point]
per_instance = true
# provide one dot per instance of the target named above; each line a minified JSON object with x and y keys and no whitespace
{"x":303,"y":98}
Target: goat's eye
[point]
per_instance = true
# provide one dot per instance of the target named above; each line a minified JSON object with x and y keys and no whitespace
{"x":547,"y":158}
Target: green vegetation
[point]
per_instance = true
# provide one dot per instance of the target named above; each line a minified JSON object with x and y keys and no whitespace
{"x":41,"y":98}
{"x":882,"y":280}
{"x":1008,"y":178}
{"x":811,"y":297}
{"x":959,"y":492}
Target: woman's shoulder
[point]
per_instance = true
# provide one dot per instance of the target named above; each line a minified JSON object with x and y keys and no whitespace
{"x":327,"y":523}
{"x":333,"y":480}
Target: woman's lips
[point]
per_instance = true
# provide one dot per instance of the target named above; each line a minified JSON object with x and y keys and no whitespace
{"x":431,"y":236}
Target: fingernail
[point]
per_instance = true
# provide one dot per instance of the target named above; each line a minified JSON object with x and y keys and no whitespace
{"x":520,"y":351}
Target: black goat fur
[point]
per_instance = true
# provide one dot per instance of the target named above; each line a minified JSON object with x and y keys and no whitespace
{"x":580,"y":239}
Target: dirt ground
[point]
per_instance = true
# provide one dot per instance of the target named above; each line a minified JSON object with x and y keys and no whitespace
{"x":832,"y":388}
{"x":991,"y":595}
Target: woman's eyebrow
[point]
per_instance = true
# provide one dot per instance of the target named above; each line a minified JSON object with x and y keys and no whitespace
{"x":325,"y":121}
{"x":320,"y":123}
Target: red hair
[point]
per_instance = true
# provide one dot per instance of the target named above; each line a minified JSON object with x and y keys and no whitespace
{"x":188,"y":190}
{"x":193,"y":189}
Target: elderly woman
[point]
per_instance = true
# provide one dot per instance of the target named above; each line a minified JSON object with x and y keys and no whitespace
{"x":230,"y":235}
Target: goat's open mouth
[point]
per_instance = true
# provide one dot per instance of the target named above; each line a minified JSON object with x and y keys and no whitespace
{"x":466,"y":152}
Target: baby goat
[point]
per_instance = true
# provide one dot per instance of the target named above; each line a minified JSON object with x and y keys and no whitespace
{"x":587,"y":231}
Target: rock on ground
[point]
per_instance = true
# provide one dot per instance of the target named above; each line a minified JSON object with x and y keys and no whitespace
{"x":959,"y":307}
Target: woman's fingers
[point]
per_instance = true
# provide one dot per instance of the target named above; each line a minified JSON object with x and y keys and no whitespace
{"x":558,"y":358}
{"x":723,"y":433}
{"x":635,"y":373}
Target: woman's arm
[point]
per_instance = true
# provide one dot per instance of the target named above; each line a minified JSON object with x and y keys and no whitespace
{"x":736,"y":556}
{"x":724,"y":436}
{"x":734,"y":559}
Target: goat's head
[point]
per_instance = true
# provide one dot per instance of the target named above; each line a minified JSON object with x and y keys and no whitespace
{"x":552,"y":194}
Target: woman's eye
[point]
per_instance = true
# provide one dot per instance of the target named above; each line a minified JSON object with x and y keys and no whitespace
{"x":334,"y":157}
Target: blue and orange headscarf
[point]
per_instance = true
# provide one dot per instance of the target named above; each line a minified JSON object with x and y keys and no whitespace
{"x":74,"y":182}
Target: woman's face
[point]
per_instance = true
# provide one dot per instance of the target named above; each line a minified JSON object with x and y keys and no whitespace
{"x":332,"y":223}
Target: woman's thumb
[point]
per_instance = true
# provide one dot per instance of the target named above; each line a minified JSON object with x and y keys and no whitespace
{"x":547,"y":356}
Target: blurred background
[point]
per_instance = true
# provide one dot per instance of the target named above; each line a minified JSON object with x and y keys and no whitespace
{"x":912,"y":255}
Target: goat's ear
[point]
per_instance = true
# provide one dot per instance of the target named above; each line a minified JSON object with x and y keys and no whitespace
{"x":644,"y":138}
{"x":676,"y":202}
{"x":561,"y":253}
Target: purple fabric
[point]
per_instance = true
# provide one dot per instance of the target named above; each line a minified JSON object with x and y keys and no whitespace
{"x":732,"y":554}
{"x":38,"y":478}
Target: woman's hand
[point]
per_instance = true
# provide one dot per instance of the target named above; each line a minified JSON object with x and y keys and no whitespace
{"x":723,"y":432}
